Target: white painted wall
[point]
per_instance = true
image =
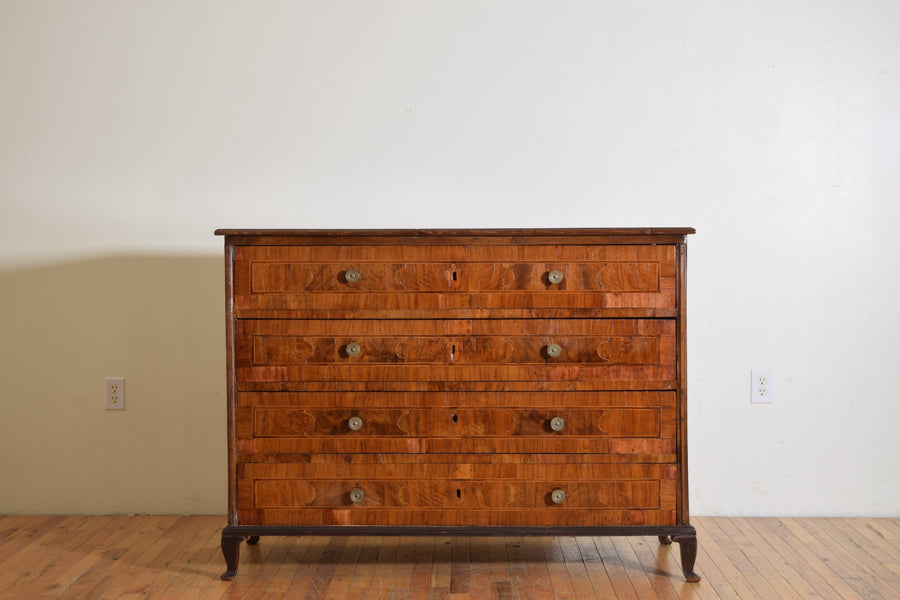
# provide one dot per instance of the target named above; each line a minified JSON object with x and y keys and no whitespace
{"x":772,"y":127}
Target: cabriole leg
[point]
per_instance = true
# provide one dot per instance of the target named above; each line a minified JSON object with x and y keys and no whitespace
{"x":231,"y":548}
{"x":688,"y":547}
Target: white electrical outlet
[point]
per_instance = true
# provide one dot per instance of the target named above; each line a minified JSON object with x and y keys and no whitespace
{"x":761,"y":381}
{"x":115,"y":393}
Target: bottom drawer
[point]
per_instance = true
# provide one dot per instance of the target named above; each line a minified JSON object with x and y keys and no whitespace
{"x":291,"y":493}
{"x":445,"y":494}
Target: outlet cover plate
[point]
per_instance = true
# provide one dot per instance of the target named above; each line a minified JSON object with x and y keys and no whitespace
{"x":115,"y":393}
{"x":761,"y":386}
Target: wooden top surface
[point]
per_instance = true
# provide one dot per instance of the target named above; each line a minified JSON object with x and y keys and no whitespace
{"x":408,"y":233}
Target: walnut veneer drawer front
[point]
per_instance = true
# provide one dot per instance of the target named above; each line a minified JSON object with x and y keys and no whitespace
{"x":336,"y":281}
{"x":640,"y":352}
{"x":517,"y":494}
{"x":480,"y":382}
{"x":465,"y":493}
{"x":562,"y":422}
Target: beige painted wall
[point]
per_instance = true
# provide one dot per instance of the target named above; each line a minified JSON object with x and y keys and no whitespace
{"x":158,"y":321}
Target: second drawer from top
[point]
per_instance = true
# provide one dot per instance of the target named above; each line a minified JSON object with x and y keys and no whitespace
{"x":639,"y":352}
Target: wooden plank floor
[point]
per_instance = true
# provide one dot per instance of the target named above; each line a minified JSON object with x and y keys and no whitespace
{"x":169,"y":557}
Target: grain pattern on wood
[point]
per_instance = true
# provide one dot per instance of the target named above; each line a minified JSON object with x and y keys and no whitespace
{"x":455,"y":252}
{"x":662,"y":449}
{"x":348,"y":398}
{"x":452,"y":327}
{"x":425,"y":493}
{"x":305,"y":278}
{"x":450,"y":517}
{"x":285,"y":350}
{"x":503,"y":461}
{"x":443,"y":467}
{"x":454,"y":386}
{"x":416,"y":312}
{"x":393,"y":305}
{"x":607,"y":277}
{"x":453,"y":422}
{"x":596,"y":376}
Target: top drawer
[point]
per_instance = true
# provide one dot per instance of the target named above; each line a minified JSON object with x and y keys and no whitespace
{"x":383,"y":281}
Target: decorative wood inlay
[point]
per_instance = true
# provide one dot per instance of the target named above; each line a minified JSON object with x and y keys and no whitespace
{"x":467,"y":494}
{"x":457,"y":422}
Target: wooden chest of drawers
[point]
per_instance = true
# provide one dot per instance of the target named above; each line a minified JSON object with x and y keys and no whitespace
{"x":467,"y":382}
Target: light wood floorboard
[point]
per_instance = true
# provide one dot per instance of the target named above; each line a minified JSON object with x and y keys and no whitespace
{"x":172,"y":557}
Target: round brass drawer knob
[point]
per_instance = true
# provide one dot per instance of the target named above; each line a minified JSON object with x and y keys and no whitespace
{"x":352,"y":349}
{"x":557,"y":423}
{"x":354,"y":423}
{"x":357,"y":495}
{"x":351,"y":275}
{"x":558,"y":496}
{"x":554,"y":350}
{"x":555,"y":276}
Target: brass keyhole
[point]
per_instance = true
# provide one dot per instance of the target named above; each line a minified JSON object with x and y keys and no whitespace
{"x":454,"y":418}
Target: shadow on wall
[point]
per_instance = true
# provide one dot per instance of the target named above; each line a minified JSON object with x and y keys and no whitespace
{"x":158,"y":322}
